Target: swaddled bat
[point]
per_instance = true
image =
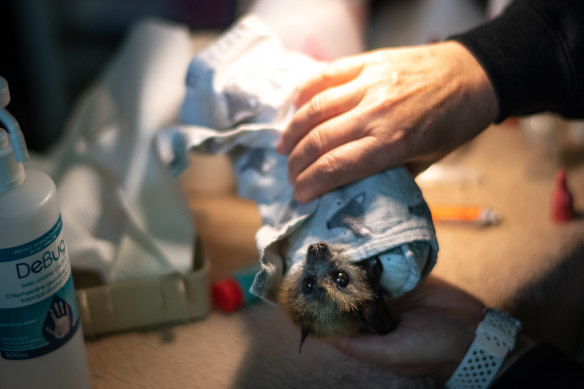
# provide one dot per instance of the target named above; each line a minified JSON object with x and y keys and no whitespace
{"x":329,"y":295}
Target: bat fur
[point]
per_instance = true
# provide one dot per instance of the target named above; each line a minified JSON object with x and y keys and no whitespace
{"x":327,"y":294}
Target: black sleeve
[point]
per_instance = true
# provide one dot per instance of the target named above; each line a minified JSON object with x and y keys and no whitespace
{"x":533,"y":54}
{"x":544,"y":366}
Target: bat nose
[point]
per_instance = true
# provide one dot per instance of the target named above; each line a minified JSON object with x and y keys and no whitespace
{"x":318,"y":251}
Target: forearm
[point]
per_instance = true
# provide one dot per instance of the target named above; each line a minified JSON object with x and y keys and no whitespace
{"x":533,"y":55}
{"x":528,"y":364}
{"x":540,"y":365}
{"x":523,"y":344}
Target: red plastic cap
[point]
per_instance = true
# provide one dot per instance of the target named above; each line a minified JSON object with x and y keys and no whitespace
{"x":562,"y":206}
{"x":227,"y":295}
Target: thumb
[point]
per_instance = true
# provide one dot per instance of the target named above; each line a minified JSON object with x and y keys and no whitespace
{"x":370,"y":348}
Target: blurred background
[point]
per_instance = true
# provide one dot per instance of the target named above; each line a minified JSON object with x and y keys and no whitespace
{"x":53,"y":49}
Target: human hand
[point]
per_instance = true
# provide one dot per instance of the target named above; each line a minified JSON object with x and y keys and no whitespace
{"x":367,"y":113}
{"x":62,"y":320}
{"x":436,"y":326}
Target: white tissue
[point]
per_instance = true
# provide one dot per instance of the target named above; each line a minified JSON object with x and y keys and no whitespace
{"x":123,"y":215}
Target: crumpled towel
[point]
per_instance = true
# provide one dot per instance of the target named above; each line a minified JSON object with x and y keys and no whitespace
{"x":238,"y":101}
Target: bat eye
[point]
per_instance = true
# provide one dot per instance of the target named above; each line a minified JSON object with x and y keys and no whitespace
{"x":308,"y":285}
{"x":341,"y":278}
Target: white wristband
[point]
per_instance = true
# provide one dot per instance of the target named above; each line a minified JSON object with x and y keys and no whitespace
{"x":495,"y":337}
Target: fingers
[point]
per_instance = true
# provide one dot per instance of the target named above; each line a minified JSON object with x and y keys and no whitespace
{"x":334,"y":74}
{"x":322,"y":97}
{"x":51,"y":332}
{"x":370,"y":348}
{"x":322,"y":139}
{"x":327,"y":109}
{"x":344,"y":164}
{"x":362,"y":348}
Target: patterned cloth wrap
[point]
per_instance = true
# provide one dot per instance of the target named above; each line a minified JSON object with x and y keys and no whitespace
{"x":238,"y":101}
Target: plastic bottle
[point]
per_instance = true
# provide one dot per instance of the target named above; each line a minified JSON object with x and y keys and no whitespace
{"x":41,"y":342}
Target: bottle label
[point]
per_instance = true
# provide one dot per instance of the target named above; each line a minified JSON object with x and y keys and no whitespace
{"x":38,"y":306}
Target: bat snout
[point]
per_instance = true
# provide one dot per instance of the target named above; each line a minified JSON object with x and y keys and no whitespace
{"x":318,"y":252}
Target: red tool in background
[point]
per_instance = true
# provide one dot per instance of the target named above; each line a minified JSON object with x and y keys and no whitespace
{"x":562,"y":203}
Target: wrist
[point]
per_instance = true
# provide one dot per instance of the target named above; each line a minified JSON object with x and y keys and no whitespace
{"x":471,"y":105}
{"x":495,"y":339}
{"x":475,"y":82}
{"x":523,"y":344}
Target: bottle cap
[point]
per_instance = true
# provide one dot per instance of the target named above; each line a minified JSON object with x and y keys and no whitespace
{"x":562,"y":206}
{"x":12,"y":145}
{"x":227,"y":295}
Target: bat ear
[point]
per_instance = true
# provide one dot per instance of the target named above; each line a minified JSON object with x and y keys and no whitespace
{"x":376,"y":317}
{"x":373,"y":268}
{"x":305,"y":330}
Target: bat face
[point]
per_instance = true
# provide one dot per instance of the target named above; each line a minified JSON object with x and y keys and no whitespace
{"x":328,"y":295}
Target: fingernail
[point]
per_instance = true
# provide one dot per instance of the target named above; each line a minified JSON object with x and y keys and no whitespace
{"x":280,"y":146}
{"x":298,"y":196}
{"x":295,"y":193}
{"x":295,"y":96}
